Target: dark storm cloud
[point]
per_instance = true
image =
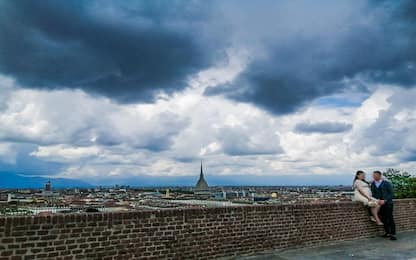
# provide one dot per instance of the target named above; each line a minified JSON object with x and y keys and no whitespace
{"x":127,"y":51}
{"x":131,"y":50}
{"x":323,"y":50}
{"x":29,"y":165}
{"x":323,"y":127}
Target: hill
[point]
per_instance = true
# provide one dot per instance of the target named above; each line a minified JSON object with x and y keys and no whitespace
{"x":13,"y":180}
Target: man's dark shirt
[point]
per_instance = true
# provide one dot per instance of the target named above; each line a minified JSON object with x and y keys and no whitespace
{"x":383,"y":192}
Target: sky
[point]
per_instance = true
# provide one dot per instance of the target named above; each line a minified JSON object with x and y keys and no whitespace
{"x":110,"y":90}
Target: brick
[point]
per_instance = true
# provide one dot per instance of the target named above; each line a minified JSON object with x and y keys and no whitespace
{"x":48,"y":237}
{"x":13,"y":246}
{"x":53,"y":254}
{"x":20,"y":251}
{"x":6,"y":253}
{"x":28,"y":245}
{"x":43,"y":232}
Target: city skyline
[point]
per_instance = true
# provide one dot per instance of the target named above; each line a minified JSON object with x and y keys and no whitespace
{"x":287,"y":92}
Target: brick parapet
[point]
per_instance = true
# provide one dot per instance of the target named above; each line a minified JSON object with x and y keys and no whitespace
{"x":190,"y":233}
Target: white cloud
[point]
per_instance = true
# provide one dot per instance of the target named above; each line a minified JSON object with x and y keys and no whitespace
{"x":65,"y":153}
{"x":95,"y":138}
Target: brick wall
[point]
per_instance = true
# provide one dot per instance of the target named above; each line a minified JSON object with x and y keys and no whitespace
{"x":189,"y":233}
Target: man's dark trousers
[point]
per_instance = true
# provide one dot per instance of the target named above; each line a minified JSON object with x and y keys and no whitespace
{"x":385,"y":192}
{"x":386,"y":213}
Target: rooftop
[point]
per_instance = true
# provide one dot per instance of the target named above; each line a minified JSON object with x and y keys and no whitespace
{"x":369,"y":248}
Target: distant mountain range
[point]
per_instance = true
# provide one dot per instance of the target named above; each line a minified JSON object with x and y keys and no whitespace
{"x":226,"y":180}
{"x":13,"y":180}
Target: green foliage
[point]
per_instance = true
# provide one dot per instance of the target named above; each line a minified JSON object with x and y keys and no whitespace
{"x":404,"y":184}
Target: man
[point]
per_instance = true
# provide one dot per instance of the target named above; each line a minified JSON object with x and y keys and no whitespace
{"x":383,"y":191}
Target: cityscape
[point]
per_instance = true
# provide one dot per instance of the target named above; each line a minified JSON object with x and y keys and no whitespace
{"x":48,"y":201}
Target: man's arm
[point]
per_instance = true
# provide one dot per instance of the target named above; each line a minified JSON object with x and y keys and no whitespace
{"x":374,"y":191}
{"x":388,"y":192}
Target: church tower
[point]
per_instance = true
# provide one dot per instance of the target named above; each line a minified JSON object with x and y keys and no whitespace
{"x":202,"y":184}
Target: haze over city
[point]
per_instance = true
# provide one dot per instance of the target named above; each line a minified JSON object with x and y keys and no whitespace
{"x":264,"y":92}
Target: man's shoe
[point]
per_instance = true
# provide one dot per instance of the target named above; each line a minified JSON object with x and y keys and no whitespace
{"x":393,"y":238}
{"x":386,"y":235}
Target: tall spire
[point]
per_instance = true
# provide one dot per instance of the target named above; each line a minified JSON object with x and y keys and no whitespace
{"x":201,"y":175}
{"x":202,"y":184}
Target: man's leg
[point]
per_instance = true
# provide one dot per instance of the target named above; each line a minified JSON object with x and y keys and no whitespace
{"x":385,"y":219}
{"x":389,"y":225}
{"x":392,"y":223}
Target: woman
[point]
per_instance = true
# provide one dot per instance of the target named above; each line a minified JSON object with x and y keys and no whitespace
{"x":362,"y":193}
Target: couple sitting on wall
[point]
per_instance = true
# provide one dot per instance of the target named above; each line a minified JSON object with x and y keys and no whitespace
{"x":378,"y":196}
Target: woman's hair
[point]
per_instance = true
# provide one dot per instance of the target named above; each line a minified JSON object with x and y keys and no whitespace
{"x":356,"y":177}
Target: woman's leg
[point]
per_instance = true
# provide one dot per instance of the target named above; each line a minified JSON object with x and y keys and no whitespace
{"x":374,"y":211}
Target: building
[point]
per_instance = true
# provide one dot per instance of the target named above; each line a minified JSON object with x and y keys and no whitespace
{"x":47,"y":191}
{"x":202,"y":185}
{"x":48,"y":186}
{"x":20,"y":198}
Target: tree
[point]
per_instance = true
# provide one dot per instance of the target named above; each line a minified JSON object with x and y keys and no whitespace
{"x":404,"y":184}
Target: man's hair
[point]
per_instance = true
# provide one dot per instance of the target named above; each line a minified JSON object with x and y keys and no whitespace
{"x":378,"y":172}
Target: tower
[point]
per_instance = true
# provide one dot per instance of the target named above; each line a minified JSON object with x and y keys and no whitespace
{"x":48,"y":186}
{"x":202,"y":184}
